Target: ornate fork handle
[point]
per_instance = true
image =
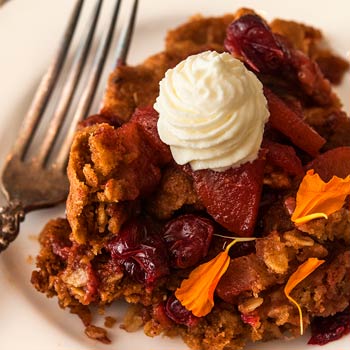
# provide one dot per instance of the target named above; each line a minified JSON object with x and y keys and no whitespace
{"x":10,"y":218}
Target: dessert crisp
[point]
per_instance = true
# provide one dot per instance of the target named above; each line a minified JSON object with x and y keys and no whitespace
{"x":222,"y":213}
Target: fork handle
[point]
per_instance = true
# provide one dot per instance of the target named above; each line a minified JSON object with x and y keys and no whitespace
{"x":10,"y":218}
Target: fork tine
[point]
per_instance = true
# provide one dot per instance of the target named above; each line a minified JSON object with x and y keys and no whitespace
{"x":89,"y":92}
{"x":69,"y":87}
{"x":46,"y":86}
{"x":125,"y":37}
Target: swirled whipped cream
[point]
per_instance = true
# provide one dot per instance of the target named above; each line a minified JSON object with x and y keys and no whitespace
{"x":212,"y":112}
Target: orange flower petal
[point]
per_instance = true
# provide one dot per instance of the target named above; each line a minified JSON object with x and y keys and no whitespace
{"x":300,"y":274}
{"x":316,"y":198}
{"x":197,"y":292}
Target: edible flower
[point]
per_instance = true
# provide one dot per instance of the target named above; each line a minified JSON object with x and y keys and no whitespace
{"x":300,"y":274}
{"x":197,"y":292}
{"x":318,"y":199}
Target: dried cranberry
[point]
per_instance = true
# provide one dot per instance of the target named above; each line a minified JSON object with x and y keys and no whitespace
{"x":327,"y":329}
{"x":188,"y":238}
{"x":140,"y":249}
{"x":249,"y":37}
{"x":179,"y":314}
{"x":252,"y":319}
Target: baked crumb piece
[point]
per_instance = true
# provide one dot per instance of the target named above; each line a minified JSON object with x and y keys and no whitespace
{"x":109,"y":321}
{"x":174,"y":191}
{"x":97,"y":333}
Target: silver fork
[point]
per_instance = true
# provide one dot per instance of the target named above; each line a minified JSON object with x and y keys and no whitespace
{"x":35,"y":183}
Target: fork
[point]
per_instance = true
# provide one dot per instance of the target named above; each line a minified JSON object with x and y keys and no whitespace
{"x":35,"y":183}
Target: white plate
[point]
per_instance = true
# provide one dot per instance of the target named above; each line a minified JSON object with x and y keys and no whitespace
{"x":29,"y":33}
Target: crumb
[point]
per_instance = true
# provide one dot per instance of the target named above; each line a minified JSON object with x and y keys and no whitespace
{"x":97,"y":333}
{"x":83,"y":312}
{"x":109,"y":321}
{"x":30,"y":260}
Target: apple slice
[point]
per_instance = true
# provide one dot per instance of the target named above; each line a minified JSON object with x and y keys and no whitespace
{"x":285,"y":120}
{"x":232,"y":197}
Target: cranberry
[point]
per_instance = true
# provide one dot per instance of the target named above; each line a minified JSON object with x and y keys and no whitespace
{"x":327,"y":329}
{"x":249,"y":37}
{"x":140,"y":249}
{"x":188,"y":238}
{"x":252,"y":319}
{"x":178,"y":313}
{"x":159,"y":314}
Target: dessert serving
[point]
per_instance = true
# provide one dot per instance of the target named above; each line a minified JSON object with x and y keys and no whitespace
{"x":212,"y":191}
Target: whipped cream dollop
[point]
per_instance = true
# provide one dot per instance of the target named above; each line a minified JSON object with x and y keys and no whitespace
{"x":212,"y":112}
